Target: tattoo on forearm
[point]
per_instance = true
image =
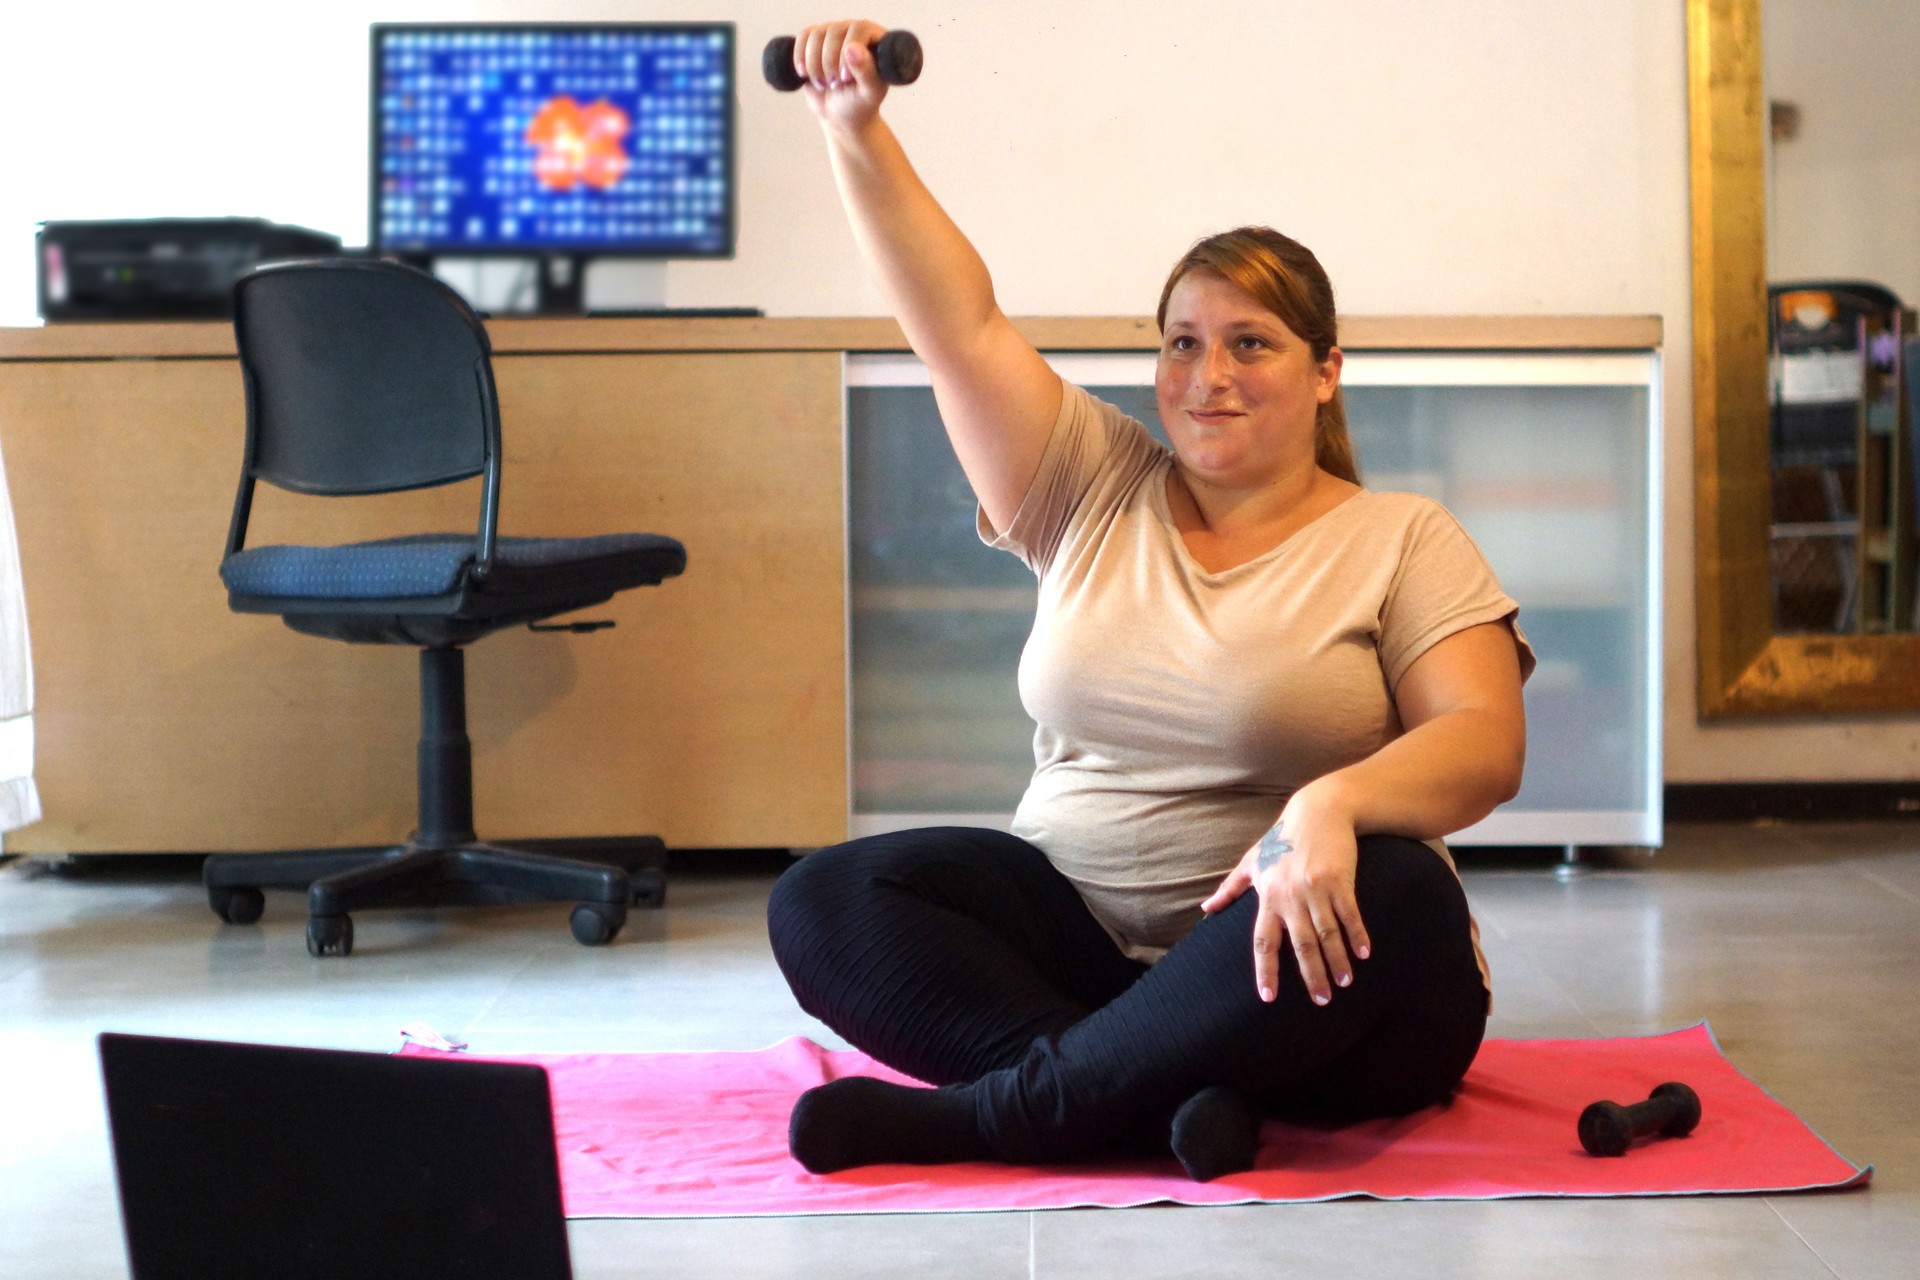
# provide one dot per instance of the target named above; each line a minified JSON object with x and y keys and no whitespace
{"x":1271,"y":848}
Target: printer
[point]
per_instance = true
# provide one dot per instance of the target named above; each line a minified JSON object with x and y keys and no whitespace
{"x":159,"y":268}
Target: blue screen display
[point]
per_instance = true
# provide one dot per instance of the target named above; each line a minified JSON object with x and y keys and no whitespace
{"x":595,"y":140}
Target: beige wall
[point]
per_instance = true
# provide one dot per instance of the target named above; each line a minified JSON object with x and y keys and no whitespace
{"x":1500,"y":156}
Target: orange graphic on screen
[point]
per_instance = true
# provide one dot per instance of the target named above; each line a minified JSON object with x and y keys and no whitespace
{"x":578,"y":144}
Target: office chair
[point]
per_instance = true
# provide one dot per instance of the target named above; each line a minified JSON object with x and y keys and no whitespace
{"x":367,"y":377}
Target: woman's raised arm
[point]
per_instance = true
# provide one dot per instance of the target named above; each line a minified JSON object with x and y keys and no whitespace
{"x":997,"y":396}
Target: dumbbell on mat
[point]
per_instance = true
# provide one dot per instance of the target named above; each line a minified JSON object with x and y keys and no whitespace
{"x":1608,"y":1129}
{"x":896,"y":54}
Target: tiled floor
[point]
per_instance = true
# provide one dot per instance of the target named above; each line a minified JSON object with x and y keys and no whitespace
{"x":1800,"y":943}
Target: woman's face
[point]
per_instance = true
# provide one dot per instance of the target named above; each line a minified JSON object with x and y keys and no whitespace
{"x":1237,"y":389}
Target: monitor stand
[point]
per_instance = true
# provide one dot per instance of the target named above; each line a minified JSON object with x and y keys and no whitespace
{"x":630,"y":285}
{"x":562,"y":289}
{"x":556,"y":284}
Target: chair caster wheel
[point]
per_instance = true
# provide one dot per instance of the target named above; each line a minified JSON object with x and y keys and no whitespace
{"x":650,"y":893}
{"x":236,"y":906}
{"x":329,"y":934}
{"x":595,"y":923}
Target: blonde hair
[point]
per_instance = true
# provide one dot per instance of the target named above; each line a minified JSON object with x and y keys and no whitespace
{"x":1282,"y":275}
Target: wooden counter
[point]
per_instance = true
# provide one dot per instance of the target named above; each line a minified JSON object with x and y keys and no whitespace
{"x":857,"y":333}
{"x":714,"y":714}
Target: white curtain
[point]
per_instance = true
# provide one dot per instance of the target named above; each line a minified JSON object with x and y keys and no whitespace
{"x":19,"y":798}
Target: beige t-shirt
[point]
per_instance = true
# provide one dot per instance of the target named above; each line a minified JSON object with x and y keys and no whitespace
{"x":1177,"y":709}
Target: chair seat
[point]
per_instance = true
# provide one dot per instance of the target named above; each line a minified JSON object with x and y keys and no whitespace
{"x":432,"y":564}
{"x":421,"y":589}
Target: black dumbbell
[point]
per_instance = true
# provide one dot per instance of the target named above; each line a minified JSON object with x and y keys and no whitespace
{"x":1608,"y":1129}
{"x":896,"y":54}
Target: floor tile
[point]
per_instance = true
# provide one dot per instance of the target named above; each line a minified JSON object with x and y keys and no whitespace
{"x":1872,"y":1233}
{"x":969,"y":1246}
{"x":1598,"y":1239}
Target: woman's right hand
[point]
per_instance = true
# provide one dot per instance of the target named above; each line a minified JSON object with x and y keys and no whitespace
{"x":1303,"y":869}
{"x":843,"y":86}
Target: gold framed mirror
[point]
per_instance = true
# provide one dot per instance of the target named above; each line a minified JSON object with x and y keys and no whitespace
{"x":1744,"y":668}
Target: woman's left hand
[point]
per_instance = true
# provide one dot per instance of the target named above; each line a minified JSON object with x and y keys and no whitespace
{"x":1303,"y":870}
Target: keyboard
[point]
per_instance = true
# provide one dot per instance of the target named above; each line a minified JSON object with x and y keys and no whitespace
{"x":676,"y":313}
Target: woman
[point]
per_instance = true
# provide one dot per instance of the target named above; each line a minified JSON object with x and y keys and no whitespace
{"x":1247,"y":672}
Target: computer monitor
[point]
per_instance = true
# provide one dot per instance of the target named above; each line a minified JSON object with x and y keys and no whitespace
{"x":556,"y":142}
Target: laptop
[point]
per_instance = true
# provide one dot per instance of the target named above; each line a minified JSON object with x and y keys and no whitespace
{"x":253,"y":1160}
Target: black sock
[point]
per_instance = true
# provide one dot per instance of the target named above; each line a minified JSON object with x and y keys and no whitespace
{"x":1215,"y":1133}
{"x":860,"y":1120}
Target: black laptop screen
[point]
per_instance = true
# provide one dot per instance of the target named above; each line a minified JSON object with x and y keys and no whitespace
{"x":261,"y":1160}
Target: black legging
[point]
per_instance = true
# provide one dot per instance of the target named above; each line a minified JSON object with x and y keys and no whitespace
{"x":958,"y":955}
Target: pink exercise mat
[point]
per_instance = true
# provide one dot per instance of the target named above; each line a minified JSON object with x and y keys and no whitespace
{"x":670,"y":1135}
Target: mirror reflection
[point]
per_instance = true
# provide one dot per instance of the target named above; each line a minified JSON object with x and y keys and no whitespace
{"x":1843,"y":261}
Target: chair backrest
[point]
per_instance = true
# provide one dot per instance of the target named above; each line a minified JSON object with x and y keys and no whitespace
{"x":1824,"y":315}
{"x":362,"y":376}
{"x":1834,"y":345}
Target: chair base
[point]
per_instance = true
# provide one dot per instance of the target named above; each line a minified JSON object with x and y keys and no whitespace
{"x":603,"y":875}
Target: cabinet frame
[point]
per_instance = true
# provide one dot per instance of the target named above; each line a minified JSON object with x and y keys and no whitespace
{"x":1569,"y":828}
